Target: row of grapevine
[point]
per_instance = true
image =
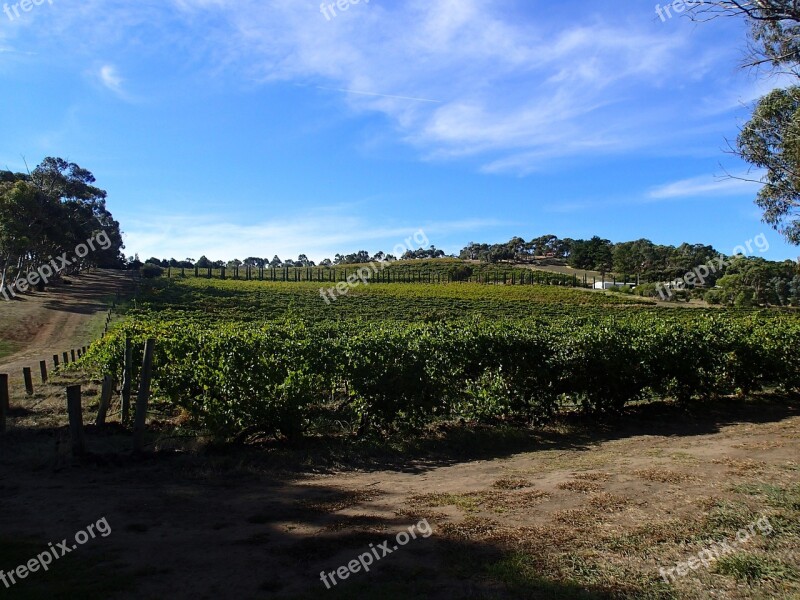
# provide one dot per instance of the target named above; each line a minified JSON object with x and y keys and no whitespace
{"x":274,"y":377}
{"x":375,"y":273}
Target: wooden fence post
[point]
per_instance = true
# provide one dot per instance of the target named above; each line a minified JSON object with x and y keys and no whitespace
{"x":4,"y":401}
{"x":75,"y":420}
{"x":55,"y":361}
{"x":105,"y":401}
{"x":143,"y":397}
{"x":65,"y":357}
{"x":43,"y":370}
{"x":72,"y":355}
{"x":127,"y":374}
{"x":26,"y":373}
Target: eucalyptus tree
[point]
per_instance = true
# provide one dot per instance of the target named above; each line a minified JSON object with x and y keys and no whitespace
{"x":770,"y":141}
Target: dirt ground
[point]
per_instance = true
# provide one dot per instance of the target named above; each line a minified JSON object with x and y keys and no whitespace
{"x":572,"y":510}
{"x":68,"y":315}
{"x":264,"y":522}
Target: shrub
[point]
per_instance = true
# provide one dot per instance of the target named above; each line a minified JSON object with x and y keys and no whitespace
{"x":151,"y":271}
{"x":646,"y":290}
{"x":461,"y":273}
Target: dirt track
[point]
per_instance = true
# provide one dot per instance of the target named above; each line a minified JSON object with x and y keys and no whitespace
{"x":64,"y":317}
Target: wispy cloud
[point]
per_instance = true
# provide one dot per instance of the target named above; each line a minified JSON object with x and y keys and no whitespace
{"x":173,"y":236}
{"x":456,"y":78}
{"x":358,"y":93}
{"x":111,"y":79}
{"x":706,"y":185}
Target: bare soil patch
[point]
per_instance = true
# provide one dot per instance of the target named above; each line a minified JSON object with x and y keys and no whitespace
{"x":69,"y":314}
{"x":575,"y":510}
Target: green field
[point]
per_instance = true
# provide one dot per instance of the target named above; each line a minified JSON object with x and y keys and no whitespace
{"x":255,"y":301}
{"x":6,"y":348}
{"x":276,"y":357}
{"x":440,"y":270}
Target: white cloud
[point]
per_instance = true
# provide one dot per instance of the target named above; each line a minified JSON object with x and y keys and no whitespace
{"x":515,"y":87}
{"x":110,"y":78}
{"x":706,"y":185}
{"x":514,"y":92}
{"x":173,"y":236}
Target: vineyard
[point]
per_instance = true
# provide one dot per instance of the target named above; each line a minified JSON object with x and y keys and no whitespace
{"x":441,"y":270}
{"x":239,"y":357}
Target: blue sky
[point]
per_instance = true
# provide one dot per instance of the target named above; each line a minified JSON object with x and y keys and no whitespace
{"x":250,"y":128}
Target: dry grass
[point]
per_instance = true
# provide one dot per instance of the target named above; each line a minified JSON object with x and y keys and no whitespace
{"x":466,"y":502}
{"x":765,"y":445}
{"x":471,"y":528}
{"x":592,"y":476}
{"x":584,"y":487}
{"x":511,"y":483}
{"x":608,"y":502}
{"x":473,"y":502}
{"x":744,"y":466}
{"x":574,"y":517}
{"x":660,"y":475}
{"x":525,"y":499}
{"x":340,"y":500}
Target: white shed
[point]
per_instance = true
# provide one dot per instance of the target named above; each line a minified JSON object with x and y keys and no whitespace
{"x":608,"y":285}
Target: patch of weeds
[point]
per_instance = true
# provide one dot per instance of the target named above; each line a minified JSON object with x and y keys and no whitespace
{"x":674,"y":531}
{"x":467,"y":502}
{"x":575,"y":517}
{"x":522,"y":574}
{"x":511,"y":483}
{"x":360,"y":523}
{"x":522,"y":500}
{"x":581,"y":568}
{"x":745,"y":566}
{"x":608,"y":502}
{"x":572,"y":577}
{"x":784,"y":525}
{"x":592,"y":476}
{"x":758,"y":445}
{"x":745,"y":466}
{"x":684,"y":458}
{"x":534,"y":538}
{"x":7,"y":348}
{"x":626,"y":544}
{"x":774,"y":495}
{"x":341,"y":499}
{"x":470,"y":528}
{"x":583,"y":487}
{"x":726,"y":517}
{"x":657,"y":475}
